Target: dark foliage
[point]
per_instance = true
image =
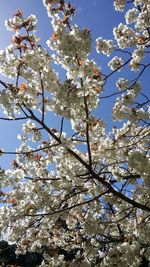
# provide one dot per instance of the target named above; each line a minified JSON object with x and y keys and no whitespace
{"x":8,"y":257}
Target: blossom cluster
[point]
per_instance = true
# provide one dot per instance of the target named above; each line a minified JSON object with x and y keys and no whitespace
{"x":115,"y":63}
{"x":104,"y":46}
{"x":119,"y":5}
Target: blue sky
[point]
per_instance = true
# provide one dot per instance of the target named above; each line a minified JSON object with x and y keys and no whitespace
{"x":97,"y":15}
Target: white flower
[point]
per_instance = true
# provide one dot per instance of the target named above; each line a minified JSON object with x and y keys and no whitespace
{"x":134,"y":64}
{"x":143,"y":21}
{"x":138,"y":53}
{"x":131,"y":15}
{"x":115,"y":63}
{"x":104,"y":46}
{"x":119,"y":5}
{"x":124,"y":35}
{"x":122,"y":83}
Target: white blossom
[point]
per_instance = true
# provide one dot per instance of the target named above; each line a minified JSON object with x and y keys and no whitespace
{"x":131,"y":15}
{"x":104,"y":46}
{"x":115,"y":63}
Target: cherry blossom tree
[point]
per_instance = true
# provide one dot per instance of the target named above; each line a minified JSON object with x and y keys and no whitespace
{"x":81,"y":195}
